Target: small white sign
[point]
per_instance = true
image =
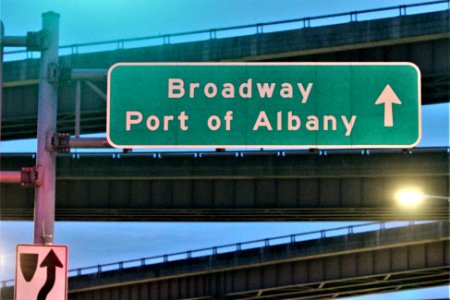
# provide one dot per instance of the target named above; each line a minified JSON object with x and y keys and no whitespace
{"x":41,"y":272}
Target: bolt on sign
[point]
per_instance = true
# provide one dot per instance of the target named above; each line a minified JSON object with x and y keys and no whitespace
{"x":269,"y":105}
{"x":41,"y":272}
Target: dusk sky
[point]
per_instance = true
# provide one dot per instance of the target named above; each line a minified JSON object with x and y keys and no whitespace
{"x":98,"y":20}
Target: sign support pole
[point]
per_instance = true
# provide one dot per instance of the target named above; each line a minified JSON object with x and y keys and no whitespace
{"x":44,"y":206}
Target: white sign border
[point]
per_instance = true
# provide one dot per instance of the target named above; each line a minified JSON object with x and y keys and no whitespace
{"x":268,"y":147}
{"x":43,"y":246}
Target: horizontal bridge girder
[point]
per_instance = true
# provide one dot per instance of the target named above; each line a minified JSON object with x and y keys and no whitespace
{"x":423,"y":39}
{"x":221,"y":186}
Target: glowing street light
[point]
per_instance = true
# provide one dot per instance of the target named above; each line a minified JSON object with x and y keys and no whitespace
{"x":409,"y":197}
{"x":413,"y":197}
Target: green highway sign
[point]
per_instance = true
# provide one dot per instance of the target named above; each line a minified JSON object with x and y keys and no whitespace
{"x":268,"y":105}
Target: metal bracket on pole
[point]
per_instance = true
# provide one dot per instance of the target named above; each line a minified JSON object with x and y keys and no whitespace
{"x":53,"y":73}
{"x":29,"y":177}
{"x":61,"y":142}
{"x":37,"y":41}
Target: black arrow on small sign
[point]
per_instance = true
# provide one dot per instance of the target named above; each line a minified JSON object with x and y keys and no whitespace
{"x":51,"y":261}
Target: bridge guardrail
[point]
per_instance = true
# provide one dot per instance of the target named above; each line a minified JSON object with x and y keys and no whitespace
{"x":236,"y":247}
{"x":249,"y":29}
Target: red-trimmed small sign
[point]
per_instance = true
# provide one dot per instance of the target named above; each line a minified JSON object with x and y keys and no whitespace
{"x":41,"y":272}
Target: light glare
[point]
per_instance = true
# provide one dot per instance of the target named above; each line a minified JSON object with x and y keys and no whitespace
{"x":410,"y":197}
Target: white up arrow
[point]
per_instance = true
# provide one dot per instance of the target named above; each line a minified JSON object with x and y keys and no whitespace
{"x":388,"y":97}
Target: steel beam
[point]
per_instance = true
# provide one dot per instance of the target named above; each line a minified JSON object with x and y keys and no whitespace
{"x":10,"y":177}
{"x":225,"y":186}
{"x":14,"y":41}
{"x":89,"y":74}
{"x":96,"y":143}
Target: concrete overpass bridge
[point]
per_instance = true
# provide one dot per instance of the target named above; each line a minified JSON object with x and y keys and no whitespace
{"x":236,"y":186}
{"x":349,"y":261}
{"x":423,"y":39}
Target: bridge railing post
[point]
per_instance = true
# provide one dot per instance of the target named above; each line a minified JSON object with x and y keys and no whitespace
{"x":77,"y":108}
{"x":350,"y":229}
{"x":259,"y":28}
{"x":292,"y":238}
{"x":306,"y":22}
